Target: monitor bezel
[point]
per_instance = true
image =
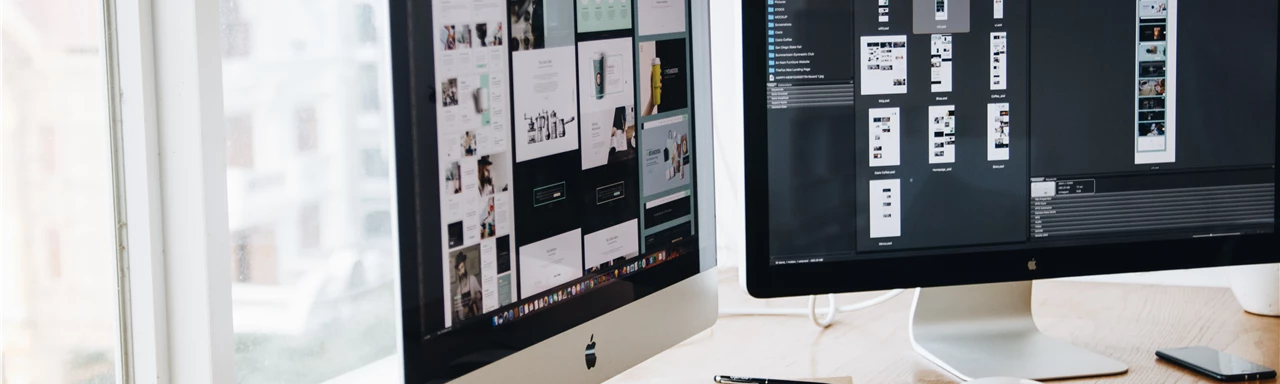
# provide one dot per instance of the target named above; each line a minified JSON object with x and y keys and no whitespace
{"x":764,"y":280}
{"x":602,"y":311}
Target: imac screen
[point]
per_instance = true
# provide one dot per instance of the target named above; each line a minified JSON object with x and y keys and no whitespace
{"x":552,"y":168}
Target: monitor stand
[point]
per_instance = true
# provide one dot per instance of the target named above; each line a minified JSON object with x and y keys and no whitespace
{"x":986,"y":330}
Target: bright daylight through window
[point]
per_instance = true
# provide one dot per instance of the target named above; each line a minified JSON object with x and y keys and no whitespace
{"x":306,"y":98}
{"x":58,"y":298}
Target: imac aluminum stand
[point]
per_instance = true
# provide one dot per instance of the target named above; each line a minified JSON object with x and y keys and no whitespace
{"x":986,"y":330}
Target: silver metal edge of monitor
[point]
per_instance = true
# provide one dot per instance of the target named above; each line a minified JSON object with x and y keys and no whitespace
{"x":646,"y":327}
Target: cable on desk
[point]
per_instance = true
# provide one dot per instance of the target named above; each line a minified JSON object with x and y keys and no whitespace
{"x":812,"y":311}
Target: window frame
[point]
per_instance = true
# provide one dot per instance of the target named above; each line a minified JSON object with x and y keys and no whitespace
{"x":169,"y":163}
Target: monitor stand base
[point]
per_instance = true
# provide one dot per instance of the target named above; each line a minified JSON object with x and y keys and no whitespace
{"x":987,"y":330}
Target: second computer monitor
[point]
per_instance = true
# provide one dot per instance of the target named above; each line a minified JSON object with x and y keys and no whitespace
{"x":897,"y":143}
{"x":908,"y":143}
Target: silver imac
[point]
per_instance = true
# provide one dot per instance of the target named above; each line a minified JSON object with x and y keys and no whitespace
{"x":555,"y":196}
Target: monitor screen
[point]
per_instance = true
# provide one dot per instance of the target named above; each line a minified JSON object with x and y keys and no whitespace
{"x":546,"y":168}
{"x":927,"y":127}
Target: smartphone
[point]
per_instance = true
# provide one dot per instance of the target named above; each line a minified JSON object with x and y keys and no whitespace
{"x":1213,"y":363}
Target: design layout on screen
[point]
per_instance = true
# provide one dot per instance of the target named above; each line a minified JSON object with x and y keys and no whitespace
{"x":544,"y":102}
{"x":612,"y":246}
{"x":940,"y":16}
{"x":663,"y":76}
{"x":671,"y":208}
{"x":886,"y":210}
{"x":940,"y":62}
{"x":884,"y":65}
{"x":660,"y":16}
{"x":999,"y":61}
{"x":546,"y":184}
{"x":666,"y":155}
{"x":603,"y":15}
{"x":606,"y":78}
{"x":998,"y":131}
{"x":551,"y":262}
{"x":473,"y":120}
{"x":884,"y":136}
{"x":535,"y":24}
{"x":942,"y":134}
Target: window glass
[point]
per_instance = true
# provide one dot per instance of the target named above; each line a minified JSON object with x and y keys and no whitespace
{"x":58,"y":306}
{"x":308,"y":191}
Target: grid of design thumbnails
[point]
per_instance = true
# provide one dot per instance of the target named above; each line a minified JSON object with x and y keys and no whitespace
{"x":565,"y":135}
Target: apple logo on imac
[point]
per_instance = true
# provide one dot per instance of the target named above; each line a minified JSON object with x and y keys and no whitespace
{"x":591,"y":353}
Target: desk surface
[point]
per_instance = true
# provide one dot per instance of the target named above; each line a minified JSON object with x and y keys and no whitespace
{"x":1126,"y":322}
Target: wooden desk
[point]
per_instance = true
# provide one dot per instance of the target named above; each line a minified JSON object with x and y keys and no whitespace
{"x":1126,"y":322}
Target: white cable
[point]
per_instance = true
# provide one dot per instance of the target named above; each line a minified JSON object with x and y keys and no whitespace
{"x":831,"y":310}
{"x":812,"y":310}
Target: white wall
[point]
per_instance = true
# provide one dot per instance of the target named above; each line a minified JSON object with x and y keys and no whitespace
{"x":726,"y":68}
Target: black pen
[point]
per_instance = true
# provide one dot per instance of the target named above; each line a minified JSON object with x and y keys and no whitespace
{"x":751,"y":380}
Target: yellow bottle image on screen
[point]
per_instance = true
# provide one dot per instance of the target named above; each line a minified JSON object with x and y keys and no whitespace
{"x":656,"y":81}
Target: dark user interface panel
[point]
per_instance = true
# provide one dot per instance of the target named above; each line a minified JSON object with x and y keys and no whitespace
{"x":932,"y":126}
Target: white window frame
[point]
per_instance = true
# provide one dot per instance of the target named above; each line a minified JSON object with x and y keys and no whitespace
{"x":165,"y":82}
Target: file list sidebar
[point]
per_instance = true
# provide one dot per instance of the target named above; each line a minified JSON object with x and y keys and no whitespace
{"x":810,"y":56}
{"x":811,"y":63}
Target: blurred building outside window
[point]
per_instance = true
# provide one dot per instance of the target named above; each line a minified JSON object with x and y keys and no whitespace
{"x":59,"y":308}
{"x":316,"y":302}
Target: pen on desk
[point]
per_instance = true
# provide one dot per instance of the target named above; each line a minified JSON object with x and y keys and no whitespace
{"x":751,"y":380}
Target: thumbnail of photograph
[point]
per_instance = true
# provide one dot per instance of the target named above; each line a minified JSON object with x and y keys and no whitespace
{"x":482,"y":34}
{"x":1151,"y":69}
{"x":480,"y":98}
{"x":1153,"y":9}
{"x":492,"y":174}
{"x":488,"y":219}
{"x":663,"y":76}
{"x":469,"y":143}
{"x":449,"y":37}
{"x":1152,"y":51}
{"x":1151,"y":87}
{"x":463,"y":36}
{"x":449,"y":92}
{"x":678,"y":148}
{"x":1152,"y":32}
{"x":499,"y":36}
{"x":528,"y":31}
{"x":491,"y":34}
{"x":622,"y":137}
{"x":1151,"y":129}
{"x":455,"y":234}
{"x":547,"y":126}
{"x":1151,"y":116}
{"x":464,"y":283}
{"x":1151,"y":103}
{"x":453,"y":178}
